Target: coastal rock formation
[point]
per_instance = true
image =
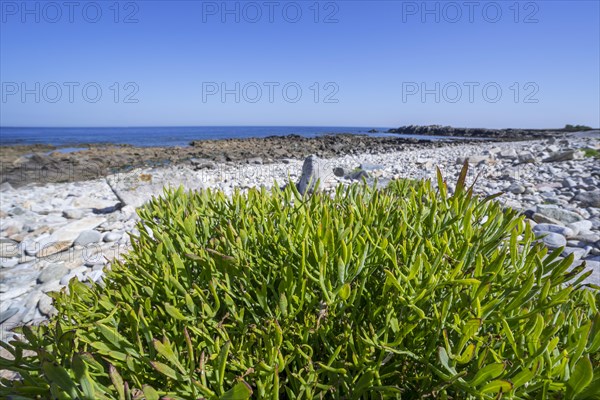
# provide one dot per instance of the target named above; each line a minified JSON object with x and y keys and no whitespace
{"x":21,"y":165}
{"x":498,"y":134}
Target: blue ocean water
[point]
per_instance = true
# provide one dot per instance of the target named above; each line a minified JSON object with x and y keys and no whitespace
{"x":167,"y":136}
{"x":156,"y":136}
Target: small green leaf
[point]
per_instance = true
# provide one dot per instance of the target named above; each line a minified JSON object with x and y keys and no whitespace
{"x":345,"y":291}
{"x":165,"y":350}
{"x":497,"y":386}
{"x":81,"y":374}
{"x":59,"y":376}
{"x":117,"y":381}
{"x":581,"y":376}
{"x":490,"y":371}
{"x":364,"y":383}
{"x":150,"y":393}
{"x":467,"y":355}
{"x":165,"y":370}
{"x":241,"y":391}
{"x":445,"y":360}
{"x":222,"y":363}
{"x":174,"y":312}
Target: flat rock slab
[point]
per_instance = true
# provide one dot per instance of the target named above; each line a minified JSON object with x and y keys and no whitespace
{"x":559,"y":214}
{"x":52,"y":272}
{"x":54,"y":248}
{"x":551,"y":239}
{"x":87,"y":203}
{"x":63,"y":238}
{"x":71,"y":231}
{"x":88,"y":237}
{"x":4,"y":315}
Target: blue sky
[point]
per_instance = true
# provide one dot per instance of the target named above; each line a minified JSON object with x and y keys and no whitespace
{"x":344,"y":63}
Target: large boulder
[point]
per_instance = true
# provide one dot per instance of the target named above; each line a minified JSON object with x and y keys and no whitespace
{"x":312,"y":171}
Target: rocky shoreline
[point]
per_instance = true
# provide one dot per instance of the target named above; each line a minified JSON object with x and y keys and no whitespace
{"x":495,"y":134}
{"x":55,"y":232}
{"x":20,"y":165}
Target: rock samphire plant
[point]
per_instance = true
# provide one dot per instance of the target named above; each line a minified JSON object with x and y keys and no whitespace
{"x":405,"y":292}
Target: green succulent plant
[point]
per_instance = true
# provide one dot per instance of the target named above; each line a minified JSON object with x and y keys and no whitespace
{"x":404,"y":292}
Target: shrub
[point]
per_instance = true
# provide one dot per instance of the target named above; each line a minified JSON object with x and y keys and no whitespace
{"x":592,"y":153}
{"x":405,"y":293}
{"x":577,"y":128}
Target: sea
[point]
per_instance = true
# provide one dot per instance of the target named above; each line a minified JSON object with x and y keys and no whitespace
{"x":170,"y":136}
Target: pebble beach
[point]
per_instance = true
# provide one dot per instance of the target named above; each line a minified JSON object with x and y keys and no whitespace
{"x":54,"y":232}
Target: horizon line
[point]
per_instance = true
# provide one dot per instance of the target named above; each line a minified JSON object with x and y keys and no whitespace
{"x":266,"y":126}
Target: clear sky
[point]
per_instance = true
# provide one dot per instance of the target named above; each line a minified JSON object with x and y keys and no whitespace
{"x":344,"y":63}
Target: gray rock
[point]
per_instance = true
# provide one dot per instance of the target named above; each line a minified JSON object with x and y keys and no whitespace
{"x":358,"y":175}
{"x":576,"y":243}
{"x":29,"y":314}
{"x":569,"y":183}
{"x":55,"y":220}
{"x":578,"y":252}
{"x":112,"y":236}
{"x":203,"y":163}
{"x":311,"y":173}
{"x":587,"y":237}
{"x":78,"y":273}
{"x":551,"y":239}
{"x":6,"y":187}
{"x":516,"y":188}
{"x":8,"y":262}
{"x":557,"y":213}
{"x":542,"y":219}
{"x":74,"y":213}
{"x":594,"y":266}
{"x":5,"y":315}
{"x":51,"y":248}
{"x":255,"y":160}
{"x":370,"y":167}
{"x":16,"y":211}
{"x":12,"y":226}
{"x":95,"y":275}
{"x":510,"y":153}
{"x":339,"y":172}
{"x":52,"y":272}
{"x":9,"y":248}
{"x":15,"y":292}
{"x":45,"y":305}
{"x":526,"y":158}
{"x":88,"y":237}
{"x":475,"y":160}
{"x":71,"y":231}
{"x":580,"y":226}
{"x":564,"y":156}
{"x":589,"y":199}
{"x":562,"y":230}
